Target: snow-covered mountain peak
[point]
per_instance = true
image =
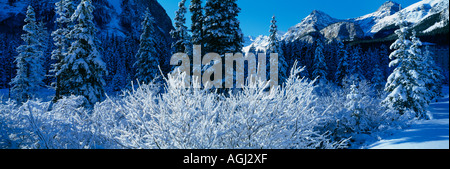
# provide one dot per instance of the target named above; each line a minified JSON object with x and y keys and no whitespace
{"x":314,"y":22}
{"x":367,"y":21}
{"x":260,"y":43}
{"x":413,"y":13}
{"x":429,"y":15}
{"x":389,"y":7}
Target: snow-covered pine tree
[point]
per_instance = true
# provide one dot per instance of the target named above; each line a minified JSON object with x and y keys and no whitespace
{"x":418,"y":73}
{"x":120,"y":77}
{"x":213,"y":27}
{"x":274,"y":47}
{"x":197,"y":22}
{"x":319,"y":67}
{"x":433,"y":71}
{"x":182,"y":40}
{"x":43,"y":38}
{"x":368,"y":62}
{"x":222,"y":33}
{"x":356,"y":72}
{"x":61,"y":44}
{"x":378,"y":79}
{"x":343,"y":66}
{"x":404,"y":87}
{"x":25,"y":84}
{"x":84,"y":68}
{"x":235,"y":37}
{"x":146,"y":59}
{"x":353,"y":102}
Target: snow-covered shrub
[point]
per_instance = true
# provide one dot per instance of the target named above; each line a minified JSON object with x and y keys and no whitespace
{"x":33,"y":125}
{"x":6,"y":107}
{"x":174,"y":119}
{"x":291,"y":116}
{"x":280,"y":118}
{"x":355,"y":112}
{"x":197,"y":118}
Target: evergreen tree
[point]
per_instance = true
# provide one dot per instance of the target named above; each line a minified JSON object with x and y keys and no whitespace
{"x":404,"y":86}
{"x":213,"y":27}
{"x":274,"y":47}
{"x":197,"y":22}
{"x":28,"y":79}
{"x":356,"y":72}
{"x":378,"y":79}
{"x":61,"y":42}
{"x":119,"y":80}
{"x":320,"y":67}
{"x":353,"y":102}
{"x":235,"y":37}
{"x":182,"y":42}
{"x":433,"y":73}
{"x":383,"y":57}
{"x":343,"y":66}
{"x":222,"y":33}
{"x":84,"y":68}
{"x":146,"y":58}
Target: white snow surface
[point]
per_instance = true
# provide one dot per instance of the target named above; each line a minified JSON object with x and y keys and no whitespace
{"x":425,"y":134}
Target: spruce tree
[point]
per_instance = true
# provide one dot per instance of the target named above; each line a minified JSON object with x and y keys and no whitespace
{"x":197,"y":22}
{"x":42,"y":37}
{"x":320,"y":67}
{"x":84,"y":68}
{"x":433,"y":73}
{"x":353,"y":102}
{"x":404,"y":86}
{"x":222,"y":33}
{"x":146,"y":59}
{"x":182,"y":40}
{"x":343,"y":66}
{"x":378,"y":79}
{"x":28,"y":79}
{"x":61,"y":42}
{"x":430,"y":73}
{"x":274,"y":47}
{"x":213,"y":27}
{"x":235,"y":37}
{"x":356,"y":72}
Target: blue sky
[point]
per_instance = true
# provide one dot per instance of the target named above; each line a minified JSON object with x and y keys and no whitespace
{"x":256,"y":14}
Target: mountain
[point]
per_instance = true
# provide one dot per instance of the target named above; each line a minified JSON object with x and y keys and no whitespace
{"x":260,"y":43}
{"x":343,"y":31}
{"x":427,"y":17}
{"x":415,"y":14}
{"x":366,"y":22}
{"x":248,"y":40}
{"x":309,"y":27}
{"x":109,"y":15}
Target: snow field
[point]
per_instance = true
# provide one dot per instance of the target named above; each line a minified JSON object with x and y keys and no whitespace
{"x":426,"y":134}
